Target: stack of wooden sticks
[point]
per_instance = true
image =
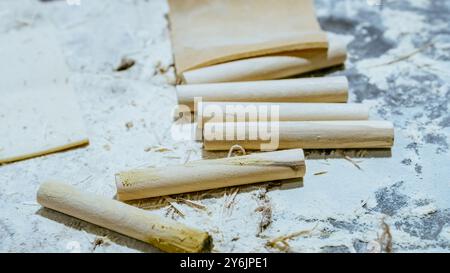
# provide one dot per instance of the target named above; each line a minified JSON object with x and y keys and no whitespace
{"x":312,"y":113}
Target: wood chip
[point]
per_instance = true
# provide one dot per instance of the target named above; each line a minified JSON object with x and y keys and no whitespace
{"x":125,"y":64}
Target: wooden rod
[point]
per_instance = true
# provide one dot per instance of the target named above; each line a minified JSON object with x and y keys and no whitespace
{"x":210,"y":174}
{"x":305,"y":134}
{"x":325,"y":89}
{"x":162,"y":233}
{"x":265,"y":111}
{"x":270,"y":67}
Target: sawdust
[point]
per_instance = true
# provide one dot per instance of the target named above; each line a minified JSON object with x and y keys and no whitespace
{"x":265,"y":208}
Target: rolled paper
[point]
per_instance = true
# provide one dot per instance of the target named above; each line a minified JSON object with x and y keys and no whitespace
{"x":210,"y":174}
{"x":298,"y":134}
{"x":323,"y":89}
{"x":264,"y":111}
{"x":165,"y":234}
{"x":270,"y":67}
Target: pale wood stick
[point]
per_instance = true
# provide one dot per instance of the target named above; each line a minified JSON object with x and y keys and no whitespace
{"x":264,"y":111}
{"x":162,"y":233}
{"x":306,"y":135}
{"x":270,"y":67}
{"x":324,"y":89}
{"x":210,"y":174}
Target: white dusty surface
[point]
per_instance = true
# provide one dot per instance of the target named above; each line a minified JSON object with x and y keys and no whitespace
{"x":410,"y":188}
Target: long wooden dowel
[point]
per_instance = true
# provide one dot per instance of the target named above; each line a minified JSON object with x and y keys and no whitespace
{"x":210,"y":174}
{"x":325,"y":89}
{"x":270,"y":67}
{"x":306,"y":135}
{"x":162,"y":233}
{"x":265,"y":111}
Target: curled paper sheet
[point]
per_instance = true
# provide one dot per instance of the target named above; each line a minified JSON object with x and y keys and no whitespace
{"x":271,"y":67}
{"x":208,"y":32}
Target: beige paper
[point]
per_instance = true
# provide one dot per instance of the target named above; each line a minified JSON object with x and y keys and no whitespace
{"x":207,"y":32}
{"x":38,"y":110}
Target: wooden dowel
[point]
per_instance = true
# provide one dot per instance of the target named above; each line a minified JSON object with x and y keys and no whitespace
{"x":326,"y":89}
{"x":270,"y":67}
{"x":210,"y":174}
{"x":306,"y":135}
{"x":162,"y":233}
{"x":264,"y":111}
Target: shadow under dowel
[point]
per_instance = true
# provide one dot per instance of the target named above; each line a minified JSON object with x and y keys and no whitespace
{"x":318,"y":153}
{"x":159,"y":202}
{"x":79,"y":224}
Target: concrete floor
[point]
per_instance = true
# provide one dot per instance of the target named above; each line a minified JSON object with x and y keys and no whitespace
{"x":398,"y":64}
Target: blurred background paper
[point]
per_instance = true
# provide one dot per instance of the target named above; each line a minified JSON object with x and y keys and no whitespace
{"x":208,"y":32}
{"x":38,"y":109}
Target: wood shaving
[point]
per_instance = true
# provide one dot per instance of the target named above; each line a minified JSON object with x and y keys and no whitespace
{"x":385,"y":239}
{"x":265,"y":208}
{"x":173,"y":206}
{"x":281,"y":243}
{"x":383,"y":243}
{"x":191,"y":203}
{"x":125,"y":64}
{"x":231,"y":198}
{"x":349,"y":159}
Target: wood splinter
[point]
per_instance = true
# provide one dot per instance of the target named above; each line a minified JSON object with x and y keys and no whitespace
{"x":162,"y":233}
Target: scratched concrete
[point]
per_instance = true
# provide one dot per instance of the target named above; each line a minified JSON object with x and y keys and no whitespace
{"x":398,"y":64}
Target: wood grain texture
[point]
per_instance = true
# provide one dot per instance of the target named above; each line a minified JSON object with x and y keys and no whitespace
{"x":210,"y":174}
{"x":162,"y":233}
{"x":305,"y":134}
{"x":326,"y":89}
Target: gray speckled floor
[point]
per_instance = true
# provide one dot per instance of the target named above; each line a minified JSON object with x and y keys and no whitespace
{"x":399,"y":64}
